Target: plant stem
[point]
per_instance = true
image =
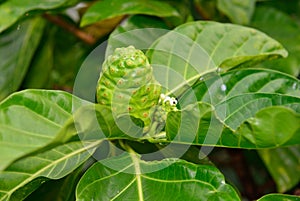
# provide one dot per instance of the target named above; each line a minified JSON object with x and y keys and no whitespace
{"x":85,"y":37}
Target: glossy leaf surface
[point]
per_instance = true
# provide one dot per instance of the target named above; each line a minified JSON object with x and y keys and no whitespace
{"x":214,"y":88}
{"x":250,"y":130}
{"x":279,"y":197}
{"x":11,"y":11}
{"x":135,"y":179}
{"x":25,"y":175}
{"x":31,"y":119}
{"x":184,"y":54}
{"x":102,"y":10}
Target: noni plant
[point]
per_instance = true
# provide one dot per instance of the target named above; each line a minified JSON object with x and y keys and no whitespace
{"x":149,"y":100}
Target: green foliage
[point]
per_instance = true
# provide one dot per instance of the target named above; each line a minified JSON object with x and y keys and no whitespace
{"x":177,"y":175}
{"x":223,"y":85}
{"x":113,"y":8}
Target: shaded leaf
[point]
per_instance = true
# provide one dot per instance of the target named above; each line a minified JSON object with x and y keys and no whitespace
{"x":138,"y":30}
{"x":17,"y":47}
{"x":11,"y":11}
{"x":284,"y":166}
{"x":279,"y":197}
{"x":102,"y":10}
{"x":184,"y":54}
{"x":284,"y":29}
{"x":239,"y":12}
{"x":31,"y":119}
{"x":135,"y":179}
{"x":42,"y":63}
{"x":68,"y":56}
{"x":25,"y":175}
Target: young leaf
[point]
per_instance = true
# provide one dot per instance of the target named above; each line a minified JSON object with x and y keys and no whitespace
{"x":11,"y":11}
{"x":135,"y":179}
{"x":239,"y":12}
{"x":17,"y":47}
{"x":283,"y":164}
{"x":31,"y":119}
{"x":24,"y":176}
{"x":103,"y":10}
{"x":196,"y":48}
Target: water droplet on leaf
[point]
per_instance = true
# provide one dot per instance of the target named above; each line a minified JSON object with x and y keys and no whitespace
{"x":223,"y":87}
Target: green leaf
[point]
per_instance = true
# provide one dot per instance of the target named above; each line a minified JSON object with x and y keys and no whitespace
{"x":69,"y":55}
{"x":103,"y":10}
{"x":95,"y":121}
{"x":239,"y":12}
{"x":279,"y":197}
{"x":24,"y":176}
{"x":284,"y":166}
{"x":199,"y":124}
{"x":284,"y":29}
{"x":196,"y":48}
{"x":135,"y":179}
{"x":216,"y":88}
{"x":12,"y":10}
{"x":272,"y":127}
{"x":17,"y":47}
{"x":42,"y":63}
{"x":31,"y":119}
{"x":237,"y":109}
{"x":138,"y":30}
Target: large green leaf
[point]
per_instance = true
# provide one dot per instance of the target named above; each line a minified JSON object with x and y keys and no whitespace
{"x":284,"y":29}
{"x":138,"y":30}
{"x":26,"y":175}
{"x":284,"y":166}
{"x":127,"y":177}
{"x":31,"y":119}
{"x":279,"y":197}
{"x":103,"y":9}
{"x":214,"y":89}
{"x":17,"y":47}
{"x":264,"y":127}
{"x":237,"y":109}
{"x":196,"y":48}
{"x":248,"y":102}
{"x":239,"y":12}
{"x":11,"y":11}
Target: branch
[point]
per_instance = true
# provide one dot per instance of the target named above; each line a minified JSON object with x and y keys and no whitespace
{"x":85,"y":37}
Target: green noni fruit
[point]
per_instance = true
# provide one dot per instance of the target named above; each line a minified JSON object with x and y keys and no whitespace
{"x":127,"y":84}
